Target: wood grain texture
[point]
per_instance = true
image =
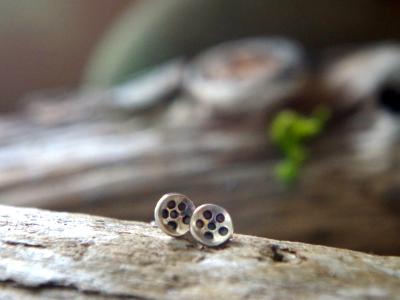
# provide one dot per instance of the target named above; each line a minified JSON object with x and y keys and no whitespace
{"x":50,"y":255}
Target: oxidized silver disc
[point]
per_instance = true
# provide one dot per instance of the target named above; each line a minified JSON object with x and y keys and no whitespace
{"x":211,"y":225}
{"x":172,"y":214}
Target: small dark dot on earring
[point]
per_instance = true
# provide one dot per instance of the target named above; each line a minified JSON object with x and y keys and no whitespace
{"x":211,"y":226}
{"x":223,"y":231}
{"x":172,"y":225}
{"x":174,"y":214}
{"x":181,"y":206}
{"x":199,"y":223}
{"x":164,"y":213}
{"x":207,"y":214}
{"x":208,"y":235}
{"x":171,"y":204}
{"x":220,"y":218}
{"x":186,"y":219}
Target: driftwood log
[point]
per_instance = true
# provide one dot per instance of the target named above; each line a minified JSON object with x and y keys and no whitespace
{"x":50,"y":255}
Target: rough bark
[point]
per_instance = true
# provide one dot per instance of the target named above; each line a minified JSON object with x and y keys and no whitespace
{"x":50,"y":255}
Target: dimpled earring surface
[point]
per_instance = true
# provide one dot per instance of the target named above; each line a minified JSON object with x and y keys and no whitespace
{"x":211,"y":225}
{"x":172,"y":214}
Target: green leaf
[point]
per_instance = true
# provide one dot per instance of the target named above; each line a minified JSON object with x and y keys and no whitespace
{"x":290,"y":131}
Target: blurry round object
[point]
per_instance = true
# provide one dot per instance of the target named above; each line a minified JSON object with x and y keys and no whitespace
{"x":360,"y":76}
{"x":246,"y":75}
{"x":149,"y":89}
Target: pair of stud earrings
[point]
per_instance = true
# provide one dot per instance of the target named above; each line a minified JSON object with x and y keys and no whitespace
{"x":209,"y":224}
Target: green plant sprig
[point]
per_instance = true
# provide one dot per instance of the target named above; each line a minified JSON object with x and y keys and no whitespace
{"x":290,"y":131}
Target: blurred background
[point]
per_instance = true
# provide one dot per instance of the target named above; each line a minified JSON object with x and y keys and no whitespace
{"x":47,"y":44}
{"x":284,"y":112}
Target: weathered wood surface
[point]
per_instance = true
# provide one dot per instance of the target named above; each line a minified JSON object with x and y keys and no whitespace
{"x":82,"y":154}
{"x":50,"y":255}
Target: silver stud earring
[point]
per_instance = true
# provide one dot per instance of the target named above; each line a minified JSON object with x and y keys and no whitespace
{"x":211,"y":225}
{"x":173,"y":213}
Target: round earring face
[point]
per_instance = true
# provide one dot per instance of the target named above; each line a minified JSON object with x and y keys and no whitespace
{"x":172,"y":214}
{"x":211,"y":225}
